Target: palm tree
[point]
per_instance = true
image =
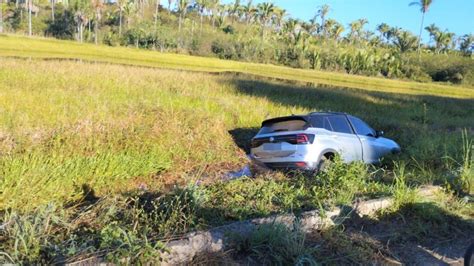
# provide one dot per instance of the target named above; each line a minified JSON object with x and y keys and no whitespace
{"x":240,"y":12}
{"x":383,"y":28}
{"x":249,"y":11}
{"x":81,"y":20}
{"x":393,"y":33}
{"x":405,"y":41}
{"x":362,"y":22}
{"x":52,"y":9}
{"x":310,"y":27}
{"x":337,"y":30}
{"x":433,"y":30}
{"x":98,"y":6}
{"x":354,"y":26}
{"x":129,"y":10}
{"x":328,"y":25}
{"x":30,"y":7}
{"x":169,"y":5}
{"x":265,"y":12}
{"x":182,"y":8}
{"x":121,"y":5}
{"x":219,"y":15}
{"x":443,"y":40}
{"x":279,"y":16}
{"x":322,"y":12}
{"x":201,"y":6}
{"x":467,"y":44}
{"x":214,"y":6}
{"x":424,"y":6}
{"x":289,"y":30}
{"x":157,"y":11}
{"x":233,"y":9}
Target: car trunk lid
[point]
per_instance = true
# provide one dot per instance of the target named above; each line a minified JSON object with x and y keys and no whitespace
{"x":280,"y":137}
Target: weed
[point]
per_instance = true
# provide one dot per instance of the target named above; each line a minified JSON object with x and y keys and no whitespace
{"x":122,"y":244}
{"x":340,"y":182}
{"x":28,"y":238}
{"x":461,"y":179}
{"x":402,"y":193}
{"x":276,"y":244}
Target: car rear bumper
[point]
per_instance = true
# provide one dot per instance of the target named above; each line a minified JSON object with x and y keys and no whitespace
{"x":285,"y":165}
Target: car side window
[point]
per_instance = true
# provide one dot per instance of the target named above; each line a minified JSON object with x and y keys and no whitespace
{"x":321,"y":121}
{"x":361,"y":127}
{"x":339,"y":124}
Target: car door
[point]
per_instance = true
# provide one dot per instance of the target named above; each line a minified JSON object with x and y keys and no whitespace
{"x":348,"y":144}
{"x":371,"y":148}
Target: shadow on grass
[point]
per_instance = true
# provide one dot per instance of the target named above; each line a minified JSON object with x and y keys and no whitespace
{"x":387,"y":111}
{"x":242,"y":137}
{"x":417,"y":233}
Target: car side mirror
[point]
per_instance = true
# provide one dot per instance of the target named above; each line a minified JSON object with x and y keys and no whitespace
{"x":379,"y":133}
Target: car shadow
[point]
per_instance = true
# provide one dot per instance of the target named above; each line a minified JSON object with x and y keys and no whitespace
{"x":383,"y":110}
{"x":243,"y":136}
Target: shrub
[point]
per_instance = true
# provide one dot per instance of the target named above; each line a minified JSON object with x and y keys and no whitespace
{"x":62,"y":27}
{"x":224,"y":49}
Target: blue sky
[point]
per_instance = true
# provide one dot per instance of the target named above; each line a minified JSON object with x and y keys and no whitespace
{"x":455,"y":15}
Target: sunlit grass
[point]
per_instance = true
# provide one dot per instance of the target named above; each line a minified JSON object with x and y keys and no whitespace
{"x":65,"y":124}
{"x":17,"y":46}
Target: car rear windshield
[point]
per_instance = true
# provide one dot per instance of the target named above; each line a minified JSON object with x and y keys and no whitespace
{"x":281,"y":126}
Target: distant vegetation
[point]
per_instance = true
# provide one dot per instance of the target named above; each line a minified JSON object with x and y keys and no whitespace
{"x":245,"y":31}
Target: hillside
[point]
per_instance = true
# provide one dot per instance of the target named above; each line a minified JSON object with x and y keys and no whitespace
{"x":17,"y":46}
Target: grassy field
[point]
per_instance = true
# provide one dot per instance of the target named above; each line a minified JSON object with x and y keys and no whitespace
{"x":107,"y":158}
{"x":18,"y":46}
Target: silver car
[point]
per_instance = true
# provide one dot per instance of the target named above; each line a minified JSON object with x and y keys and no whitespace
{"x":309,"y":142}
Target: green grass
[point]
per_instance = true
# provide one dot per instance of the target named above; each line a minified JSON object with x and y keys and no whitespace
{"x":105,"y":157}
{"x":66,"y":124}
{"x":17,"y":46}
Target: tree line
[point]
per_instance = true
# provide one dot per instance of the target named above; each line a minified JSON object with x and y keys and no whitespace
{"x":261,"y":32}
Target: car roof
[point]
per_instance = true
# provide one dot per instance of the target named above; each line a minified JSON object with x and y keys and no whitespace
{"x":327,"y":113}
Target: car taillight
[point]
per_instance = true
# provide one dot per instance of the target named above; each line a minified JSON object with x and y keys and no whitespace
{"x":302,"y":139}
{"x":292,"y":139}
{"x":300,"y":164}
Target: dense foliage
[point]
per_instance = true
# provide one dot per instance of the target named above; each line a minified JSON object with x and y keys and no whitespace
{"x":247,"y":32}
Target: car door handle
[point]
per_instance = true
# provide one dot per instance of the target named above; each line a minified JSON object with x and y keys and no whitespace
{"x":334,"y":136}
{"x":362,"y":138}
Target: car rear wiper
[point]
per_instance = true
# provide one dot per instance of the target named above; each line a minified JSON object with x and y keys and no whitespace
{"x":279,"y":130}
